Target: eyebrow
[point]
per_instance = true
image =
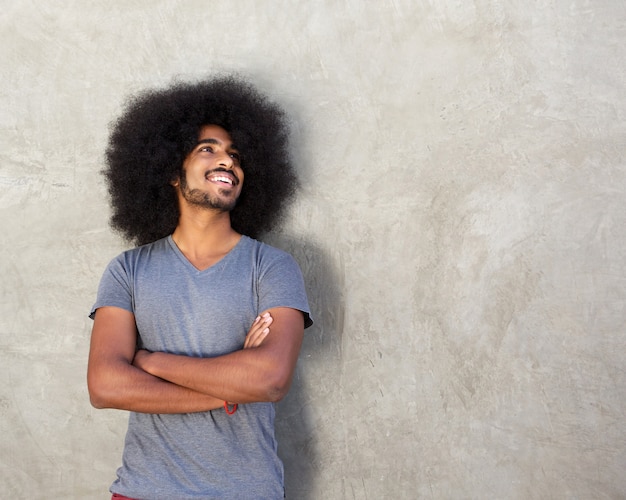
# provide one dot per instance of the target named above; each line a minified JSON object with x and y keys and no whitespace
{"x":216,"y":143}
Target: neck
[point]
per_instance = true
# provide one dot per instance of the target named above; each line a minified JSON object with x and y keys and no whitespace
{"x":204,"y":237}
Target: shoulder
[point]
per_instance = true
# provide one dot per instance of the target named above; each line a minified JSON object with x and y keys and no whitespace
{"x":280,"y":279}
{"x":130,"y":259}
{"x":265,"y":254}
{"x":261,"y":248}
{"x":271,"y":263}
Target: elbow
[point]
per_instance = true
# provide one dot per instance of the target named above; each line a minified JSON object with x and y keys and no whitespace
{"x":96,"y":396}
{"x":96,"y":402}
{"x":108,"y":384}
{"x":276,"y":394}
{"x":101,"y":394}
{"x":277,"y":388}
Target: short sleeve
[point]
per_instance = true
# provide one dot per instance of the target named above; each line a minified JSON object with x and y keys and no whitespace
{"x":281,"y":285}
{"x":115,"y":287}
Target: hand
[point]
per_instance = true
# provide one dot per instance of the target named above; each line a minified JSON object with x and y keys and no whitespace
{"x":258,"y":331}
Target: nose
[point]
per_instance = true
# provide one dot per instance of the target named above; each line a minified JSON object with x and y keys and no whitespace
{"x":225,"y":160}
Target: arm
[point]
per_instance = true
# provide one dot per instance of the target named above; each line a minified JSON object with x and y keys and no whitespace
{"x":114,"y":382}
{"x":261,"y":373}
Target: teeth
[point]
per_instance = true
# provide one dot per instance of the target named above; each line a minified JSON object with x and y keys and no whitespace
{"x":222,"y":178}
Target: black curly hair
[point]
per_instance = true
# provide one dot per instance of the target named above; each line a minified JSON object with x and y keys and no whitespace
{"x":160,"y":127}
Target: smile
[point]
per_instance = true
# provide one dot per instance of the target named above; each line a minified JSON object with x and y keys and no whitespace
{"x":221,"y":177}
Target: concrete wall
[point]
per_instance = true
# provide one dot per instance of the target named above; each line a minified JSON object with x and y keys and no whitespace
{"x":462,"y":231}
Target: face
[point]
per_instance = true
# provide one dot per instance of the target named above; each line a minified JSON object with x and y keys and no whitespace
{"x":212,"y":175}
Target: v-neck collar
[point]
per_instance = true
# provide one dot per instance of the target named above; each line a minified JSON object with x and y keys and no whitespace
{"x":193,"y":268}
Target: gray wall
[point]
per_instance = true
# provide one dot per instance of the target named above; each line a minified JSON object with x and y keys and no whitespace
{"x":461,"y":227}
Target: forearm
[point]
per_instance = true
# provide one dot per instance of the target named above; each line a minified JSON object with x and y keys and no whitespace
{"x":260,"y":372}
{"x":244,"y":376}
{"x":125,"y":387}
{"x":115,"y":382}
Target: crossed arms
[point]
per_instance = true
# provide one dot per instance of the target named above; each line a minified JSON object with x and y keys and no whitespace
{"x":120,"y":377}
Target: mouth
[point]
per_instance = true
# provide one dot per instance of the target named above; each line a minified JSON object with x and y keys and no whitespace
{"x":223,"y":178}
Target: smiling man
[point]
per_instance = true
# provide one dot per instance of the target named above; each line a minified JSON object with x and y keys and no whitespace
{"x":197,"y":330}
{"x":214,"y":143}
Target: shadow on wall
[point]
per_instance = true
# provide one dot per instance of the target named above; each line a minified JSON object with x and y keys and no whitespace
{"x":298,"y":445}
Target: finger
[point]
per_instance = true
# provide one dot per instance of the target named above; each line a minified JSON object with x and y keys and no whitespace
{"x":255,"y":338}
{"x":264,"y":321}
{"x":258,"y":339}
{"x":255,"y":323}
{"x":257,"y":332}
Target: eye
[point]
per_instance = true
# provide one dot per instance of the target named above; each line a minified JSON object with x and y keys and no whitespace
{"x":206,"y":149}
{"x":235,"y":156}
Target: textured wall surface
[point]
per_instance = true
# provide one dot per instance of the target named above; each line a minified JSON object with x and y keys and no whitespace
{"x":462,"y":229}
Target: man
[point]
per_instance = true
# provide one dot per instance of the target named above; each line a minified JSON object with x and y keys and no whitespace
{"x":197,"y":330}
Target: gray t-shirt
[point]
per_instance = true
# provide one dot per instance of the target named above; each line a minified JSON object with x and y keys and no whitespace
{"x":179,"y":309}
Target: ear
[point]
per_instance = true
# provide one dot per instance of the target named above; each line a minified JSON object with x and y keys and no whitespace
{"x":175,"y":182}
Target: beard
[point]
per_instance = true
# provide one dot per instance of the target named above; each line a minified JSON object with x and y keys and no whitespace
{"x":199,"y":198}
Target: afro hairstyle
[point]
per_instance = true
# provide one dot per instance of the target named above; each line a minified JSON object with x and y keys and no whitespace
{"x":160,"y":127}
